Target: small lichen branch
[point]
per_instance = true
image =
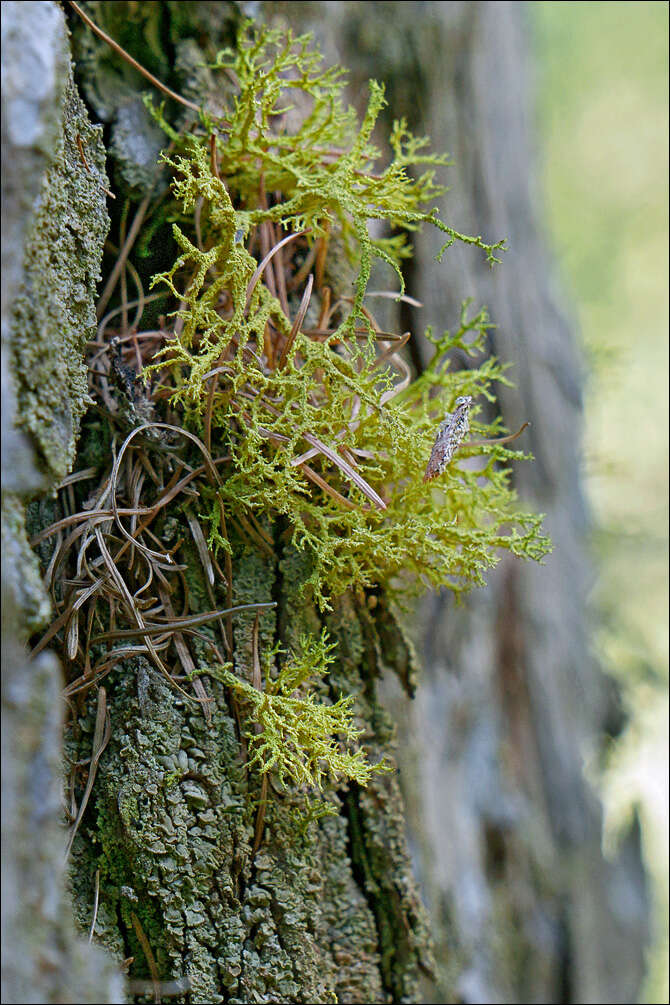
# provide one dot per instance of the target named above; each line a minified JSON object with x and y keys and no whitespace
{"x":292,"y":732}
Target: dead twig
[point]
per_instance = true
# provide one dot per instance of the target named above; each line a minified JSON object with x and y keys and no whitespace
{"x":150,"y":958}
{"x":133,"y":62}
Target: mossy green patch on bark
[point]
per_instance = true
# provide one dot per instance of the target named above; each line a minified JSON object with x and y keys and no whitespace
{"x":52,"y":318}
{"x":54,"y":314}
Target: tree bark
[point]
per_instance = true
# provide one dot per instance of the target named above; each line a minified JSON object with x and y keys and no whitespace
{"x":52,"y":220}
{"x":506,"y":832}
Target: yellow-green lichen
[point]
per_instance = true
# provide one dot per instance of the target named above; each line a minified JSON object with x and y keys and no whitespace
{"x":266,"y":406}
{"x":293,"y":733}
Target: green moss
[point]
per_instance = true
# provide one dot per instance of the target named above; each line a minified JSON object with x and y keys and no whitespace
{"x":63,"y":255}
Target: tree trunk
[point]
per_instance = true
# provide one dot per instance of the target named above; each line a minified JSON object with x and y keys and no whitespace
{"x":506,"y":831}
{"x":48,"y":275}
{"x":174,"y":869}
{"x":171,"y":866}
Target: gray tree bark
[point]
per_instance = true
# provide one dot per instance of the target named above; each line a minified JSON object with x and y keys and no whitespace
{"x":505,"y":829}
{"x":43,"y":958}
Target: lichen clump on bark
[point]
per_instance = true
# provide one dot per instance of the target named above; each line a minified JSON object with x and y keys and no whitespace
{"x":277,"y":387}
{"x":302,"y":408}
{"x":296,"y":382}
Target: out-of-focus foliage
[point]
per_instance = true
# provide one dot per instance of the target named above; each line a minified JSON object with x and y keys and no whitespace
{"x":604,"y":115}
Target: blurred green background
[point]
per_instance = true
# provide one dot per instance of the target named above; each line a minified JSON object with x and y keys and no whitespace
{"x":602,"y":87}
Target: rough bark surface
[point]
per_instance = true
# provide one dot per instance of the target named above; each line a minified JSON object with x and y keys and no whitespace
{"x":164,"y":867}
{"x":49,"y":204}
{"x":505,"y":830}
{"x":322,"y":913}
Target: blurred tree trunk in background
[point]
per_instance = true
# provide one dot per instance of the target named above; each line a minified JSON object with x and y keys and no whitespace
{"x":505,"y":830}
{"x":505,"y":833}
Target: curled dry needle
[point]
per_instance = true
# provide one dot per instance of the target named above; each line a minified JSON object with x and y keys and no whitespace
{"x":257,"y":681}
{"x":331,"y":454}
{"x":266,"y":260}
{"x":124,"y":265}
{"x":210,"y":467}
{"x":96,"y":902}
{"x":346,"y":469}
{"x":134,"y":611}
{"x":101,"y":737}
{"x":500,"y":439}
{"x":185,"y":657}
{"x":280,"y":277}
{"x":300,"y":317}
{"x":179,"y":624}
{"x":148,"y":953}
{"x":110,"y":315}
